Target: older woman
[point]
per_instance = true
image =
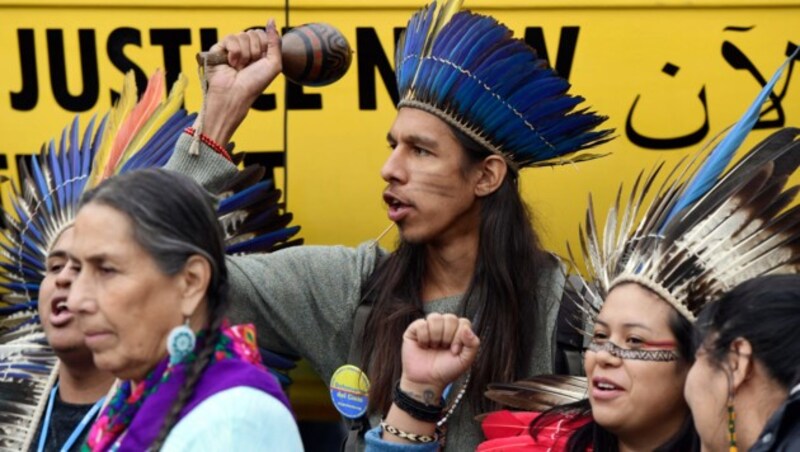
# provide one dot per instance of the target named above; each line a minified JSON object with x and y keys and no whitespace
{"x":58,"y":390}
{"x":151,"y":277}
{"x":743,"y":388}
{"x":61,"y":402}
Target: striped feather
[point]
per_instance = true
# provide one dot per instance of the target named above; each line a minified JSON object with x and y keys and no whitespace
{"x":134,"y":122}
{"x":116,"y":119}
{"x":158,"y":119}
{"x":539,"y":393}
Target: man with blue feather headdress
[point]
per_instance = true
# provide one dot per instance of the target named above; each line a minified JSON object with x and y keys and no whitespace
{"x":476,"y":106}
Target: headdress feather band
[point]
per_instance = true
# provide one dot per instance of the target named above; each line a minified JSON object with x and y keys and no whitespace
{"x":468,"y":70}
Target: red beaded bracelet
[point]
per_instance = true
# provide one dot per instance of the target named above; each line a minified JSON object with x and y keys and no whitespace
{"x":210,"y":143}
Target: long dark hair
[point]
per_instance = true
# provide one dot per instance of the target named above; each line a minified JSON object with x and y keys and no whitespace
{"x":173,"y":219}
{"x":595,"y":436}
{"x":509,"y":260}
{"x":766,"y":312}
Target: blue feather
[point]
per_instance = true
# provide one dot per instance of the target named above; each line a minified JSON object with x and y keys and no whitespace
{"x":72,"y":159}
{"x":262,"y":220}
{"x":481,"y":78}
{"x":17,"y":308}
{"x":81,"y":166}
{"x":413,"y":42}
{"x":245,"y":197}
{"x":29,"y":245}
{"x":277,"y":360}
{"x":501,"y":52}
{"x":20,"y":287}
{"x":30,"y":367}
{"x":55,"y":169}
{"x":25,"y":219}
{"x":41,"y":182}
{"x":722,"y":154}
{"x":88,"y":157}
{"x":263,"y":241}
{"x":30,"y":260}
{"x":65,"y":159}
{"x":14,"y":269}
{"x":158,"y":149}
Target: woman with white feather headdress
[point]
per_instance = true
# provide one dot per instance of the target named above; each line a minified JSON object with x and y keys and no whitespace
{"x":651,"y":271}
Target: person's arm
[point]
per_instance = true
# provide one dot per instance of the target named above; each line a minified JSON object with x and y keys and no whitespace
{"x":254,"y":60}
{"x":240,"y":418}
{"x":435,"y":352}
{"x":302,"y":299}
{"x":209,"y":169}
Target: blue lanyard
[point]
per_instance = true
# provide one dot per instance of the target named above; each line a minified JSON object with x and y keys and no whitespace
{"x":75,"y":433}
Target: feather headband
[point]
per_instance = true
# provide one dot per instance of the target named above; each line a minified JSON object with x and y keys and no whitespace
{"x":704,"y":230}
{"x":469,"y":71}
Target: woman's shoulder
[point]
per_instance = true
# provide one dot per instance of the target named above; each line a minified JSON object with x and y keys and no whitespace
{"x":510,"y":430}
{"x":242,"y":402}
{"x":238,"y":416}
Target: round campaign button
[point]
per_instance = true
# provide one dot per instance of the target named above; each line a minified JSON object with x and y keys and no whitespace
{"x":349,"y":389}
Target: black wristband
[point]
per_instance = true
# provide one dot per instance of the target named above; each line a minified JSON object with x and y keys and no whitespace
{"x":418,"y":410}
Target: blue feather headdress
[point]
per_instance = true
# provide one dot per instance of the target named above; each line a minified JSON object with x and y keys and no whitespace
{"x":468,"y":70}
{"x":132,"y":135}
{"x":705,"y":230}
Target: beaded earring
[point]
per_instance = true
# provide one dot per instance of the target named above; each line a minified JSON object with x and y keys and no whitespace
{"x":732,"y":424}
{"x":180,"y":342}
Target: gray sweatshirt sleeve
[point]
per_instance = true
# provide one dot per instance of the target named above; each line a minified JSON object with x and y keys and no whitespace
{"x":302,"y":299}
{"x":208,"y":168}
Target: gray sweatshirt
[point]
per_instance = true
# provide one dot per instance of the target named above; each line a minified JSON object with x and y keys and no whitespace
{"x":303,"y":299}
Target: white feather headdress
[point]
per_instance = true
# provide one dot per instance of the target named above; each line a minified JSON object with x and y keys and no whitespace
{"x":702,"y":232}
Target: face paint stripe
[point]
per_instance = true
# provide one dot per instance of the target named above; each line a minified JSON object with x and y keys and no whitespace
{"x":639,"y":355}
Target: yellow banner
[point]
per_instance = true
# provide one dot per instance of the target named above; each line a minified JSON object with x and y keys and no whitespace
{"x":669,"y":75}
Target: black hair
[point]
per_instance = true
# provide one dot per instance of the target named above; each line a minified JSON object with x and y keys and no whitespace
{"x":766,"y":312}
{"x":510,"y":259}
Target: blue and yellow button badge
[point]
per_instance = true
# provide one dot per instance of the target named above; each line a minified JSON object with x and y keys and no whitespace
{"x":349,"y":391}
